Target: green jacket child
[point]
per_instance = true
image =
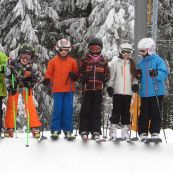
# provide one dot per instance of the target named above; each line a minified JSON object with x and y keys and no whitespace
{"x":3,"y":61}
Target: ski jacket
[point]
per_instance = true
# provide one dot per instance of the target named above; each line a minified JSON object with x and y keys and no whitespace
{"x":148,"y":85}
{"x":17,"y":70}
{"x":94,"y":71}
{"x":3,"y":61}
{"x":120,"y":77}
{"x":58,"y":72}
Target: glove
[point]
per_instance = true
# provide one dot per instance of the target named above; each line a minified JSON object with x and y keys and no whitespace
{"x":153,"y":73}
{"x":138,"y":74}
{"x":27,"y":74}
{"x":46,"y":82}
{"x":110,"y":91}
{"x":72,"y":76}
{"x":13,"y":91}
{"x":135,"y":88}
{"x":103,"y":77}
{"x":83,"y":79}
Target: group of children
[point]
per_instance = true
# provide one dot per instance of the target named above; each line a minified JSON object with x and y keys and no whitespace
{"x":121,"y":80}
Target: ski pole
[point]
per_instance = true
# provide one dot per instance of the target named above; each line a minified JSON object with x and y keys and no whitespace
{"x":28,"y":119}
{"x":158,"y":105}
{"x":14,"y":108}
{"x":108,"y":121}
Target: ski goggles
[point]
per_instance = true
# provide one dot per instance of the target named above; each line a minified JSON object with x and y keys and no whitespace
{"x":67,"y":50}
{"x":95,"y":48}
{"x":24,"y":56}
{"x":126,"y":51}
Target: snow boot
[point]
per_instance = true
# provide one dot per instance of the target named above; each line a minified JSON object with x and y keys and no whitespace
{"x":113,"y":132}
{"x":54,"y":135}
{"x":35,"y":133}
{"x":9,"y":133}
{"x":125,"y":132}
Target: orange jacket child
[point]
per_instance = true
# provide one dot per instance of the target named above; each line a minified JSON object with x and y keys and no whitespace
{"x":62,"y":72}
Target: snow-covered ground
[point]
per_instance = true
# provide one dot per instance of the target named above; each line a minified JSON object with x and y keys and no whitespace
{"x":76,"y":157}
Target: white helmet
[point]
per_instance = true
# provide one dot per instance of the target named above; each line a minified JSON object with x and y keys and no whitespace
{"x":125,"y":46}
{"x":147,"y":44}
{"x":63,"y":43}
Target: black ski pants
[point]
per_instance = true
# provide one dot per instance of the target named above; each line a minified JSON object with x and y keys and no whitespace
{"x":90,"y":113}
{"x":121,"y":109}
{"x":150,"y":115}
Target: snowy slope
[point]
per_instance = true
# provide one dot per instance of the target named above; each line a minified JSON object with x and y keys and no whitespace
{"x":76,"y":157}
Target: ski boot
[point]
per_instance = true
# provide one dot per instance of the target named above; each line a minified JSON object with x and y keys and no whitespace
{"x":69,"y":136}
{"x":9,"y":133}
{"x":96,"y":137}
{"x":155,"y":138}
{"x":84,"y":136}
{"x":35,"y":133}
{"x":54,"y":135}
{"x":113,"y":132}
{"x":125,"y":133}
{"x":144,"y":137}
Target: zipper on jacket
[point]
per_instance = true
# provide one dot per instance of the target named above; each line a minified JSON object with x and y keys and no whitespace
{"x":124,"y":76}
{"x":94,"y":76}
{"x":147,"y":78}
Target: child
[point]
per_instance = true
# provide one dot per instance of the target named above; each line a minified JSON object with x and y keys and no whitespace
{"x":122,"y":76}
{"x":152,"y":73}
{"x":3,"y":92}
{"x":94,"y":72}
{"x":62,"y":72}
{"x":21,"y":74}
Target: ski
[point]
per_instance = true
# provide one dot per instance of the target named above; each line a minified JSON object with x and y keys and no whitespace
{"x":85,"y":140}
{"x":54,"y":137}
{"x":134,"y":139}
{"x":100,"y":140}
{"x":150,"y":140}
{"x":117,"y":140}
{"x":70,"y":138}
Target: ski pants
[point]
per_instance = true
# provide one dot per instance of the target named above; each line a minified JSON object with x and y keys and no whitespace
{"x":90,"y":113}
{"x":150,"y":115}
{"x":62,"y":115}
{"x":1,"y":113}
{"x":30,"y":109}
{"x":121,"y":109}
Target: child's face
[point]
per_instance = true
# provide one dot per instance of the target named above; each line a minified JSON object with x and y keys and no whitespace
{"x":126,"y":54}
{"x":25,"y":58}
{"x":95,"y":49}
{"x":64,"y":51}
{"x":143,"y":52}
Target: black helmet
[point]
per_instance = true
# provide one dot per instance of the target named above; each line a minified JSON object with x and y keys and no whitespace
{"x":27,"y":48}
{"x":95,"y":41}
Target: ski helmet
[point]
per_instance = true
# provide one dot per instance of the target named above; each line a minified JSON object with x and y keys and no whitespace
{"x":125,"y":46}
{"x":28,"y":49}
{"x":95,"y":41}
{"x":63,"y":43}
{"x":147,"y":44}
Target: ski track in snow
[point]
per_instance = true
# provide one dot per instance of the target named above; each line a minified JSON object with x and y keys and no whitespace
{"x":77,"y":157}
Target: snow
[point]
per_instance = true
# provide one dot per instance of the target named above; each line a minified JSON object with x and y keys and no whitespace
{"x":76,"y":157}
